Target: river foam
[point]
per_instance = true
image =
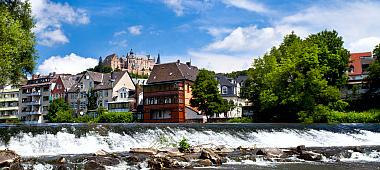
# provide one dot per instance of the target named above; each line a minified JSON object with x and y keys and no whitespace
{"x":119,"y":138}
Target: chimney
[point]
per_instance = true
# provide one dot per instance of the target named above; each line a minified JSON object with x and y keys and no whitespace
{"x":112,"y":80}
{"x":188,"y":63}
{"x":34,"y":76}
{"x":178,"y":61}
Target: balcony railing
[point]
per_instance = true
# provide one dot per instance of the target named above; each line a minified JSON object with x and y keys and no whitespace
{"x":35,"y":93}
{"x":34,"y":103}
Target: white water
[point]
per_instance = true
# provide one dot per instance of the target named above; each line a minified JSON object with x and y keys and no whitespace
{"x":65,"y":143}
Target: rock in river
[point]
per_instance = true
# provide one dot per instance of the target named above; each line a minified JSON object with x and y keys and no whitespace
{"x":7,"y":157}
{"x":92,"y":165}
{"x":209,"y":154}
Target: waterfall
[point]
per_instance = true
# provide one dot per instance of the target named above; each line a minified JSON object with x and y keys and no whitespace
{"x":82,"y":138}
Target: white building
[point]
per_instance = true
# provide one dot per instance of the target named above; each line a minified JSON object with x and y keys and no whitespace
{"x":9,"y":97}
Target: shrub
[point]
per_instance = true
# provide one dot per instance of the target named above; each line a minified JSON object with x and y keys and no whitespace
{"x":115,"y":117}
{"x":85,"y":119}
{"x":184,"y":146}
{"x":240,"y":120}
{"x":64,"y":116}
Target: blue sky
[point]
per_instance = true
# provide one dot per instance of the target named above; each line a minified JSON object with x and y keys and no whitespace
{"x":221,"y":35}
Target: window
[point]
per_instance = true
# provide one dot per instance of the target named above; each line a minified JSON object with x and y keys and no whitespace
{"x":224,"y":90}
{"x":352,"y":69}
{"x":81,"y":85}
{"x":125,"y":95}
{"x":106,"y":93}
{"x":45,"y":98}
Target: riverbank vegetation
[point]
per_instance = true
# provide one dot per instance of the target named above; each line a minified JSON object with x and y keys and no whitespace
{"x":301,"y":81}
{"x":60,"y":112}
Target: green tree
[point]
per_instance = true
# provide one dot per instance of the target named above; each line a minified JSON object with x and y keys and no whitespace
{"x":115,"y":117}
{"x":64,"y":116}
{"x":298,"y":76}
{"x":206,"y":96}
{"x":58,"y":105}
{"x":92,"y":98}
{"x":17,"y":47}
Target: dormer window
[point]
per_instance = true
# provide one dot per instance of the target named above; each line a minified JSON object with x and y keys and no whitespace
{"x":224,"y":90}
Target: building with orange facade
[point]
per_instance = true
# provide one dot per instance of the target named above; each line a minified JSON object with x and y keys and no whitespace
{"x":167,"y":94}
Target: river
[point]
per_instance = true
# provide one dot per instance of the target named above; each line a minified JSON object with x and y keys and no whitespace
{"x":75,"y":139}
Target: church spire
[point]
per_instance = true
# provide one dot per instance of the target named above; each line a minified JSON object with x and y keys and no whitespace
{"x":158,"y":59}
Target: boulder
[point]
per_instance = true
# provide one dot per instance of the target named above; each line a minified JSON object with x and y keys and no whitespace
{"x":132,"y":160}
{"x":160,"y":163}
{"x":149,"y":151}
{"x":104,"y":160}
{"x":209,"y":154}
{"x":61,"y":160}
{"x":7,"y":157}
{"x":223,"y":150}
{"x":271,"y":152}
{"x":203,"y":162}
{"x":101,"y":153}
{"x":16,"y":166}
{"x":196,"y":149}
{"x":92,"y":165}
{"x":310,"y":156}
{"x":358,"y":149}
{"x":61,"y":167}
{"x":300,"y":148}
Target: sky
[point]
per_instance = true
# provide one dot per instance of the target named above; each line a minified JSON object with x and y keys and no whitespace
{"x":220,"y":35}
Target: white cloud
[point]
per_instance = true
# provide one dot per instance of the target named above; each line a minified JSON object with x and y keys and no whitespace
{"x":220,"y":63}
{"x":119,"y":33}
{"x":354,"y":21}
{"x":135,"y":30}
{"x":247,"y":5}
{"x":49,"y":19}
{"x":181,"y":6}
{"x":364,"y":44}
{"x":217,"y":32}
{"x":358,"y":29}
{"x":176,"y":5}
{"x":71,"y":64}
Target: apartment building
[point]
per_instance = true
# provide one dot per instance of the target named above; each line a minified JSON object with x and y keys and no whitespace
{"x":168,"y":92}
{"x":9,"y":102}
{"x":35,"y":98}
{"x":112,"y":90}
{"x":357,"y":74}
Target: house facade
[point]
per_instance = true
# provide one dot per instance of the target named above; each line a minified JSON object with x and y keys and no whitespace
{"x":112,"y":90}
{"x":35,"y":98}
{"x":167,"y":94}
{"x":63,"y":85}
{"x":229,"y":89}
{"x":133,"y":63}
{"x":357,"y":74}
{"x":9,"y":103}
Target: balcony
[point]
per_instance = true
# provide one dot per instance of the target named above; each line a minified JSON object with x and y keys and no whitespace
{"x":33,"y":102}
{"x":33,"y":112}
{"x":35,"y":93}
{"x":8,"y":108}
{"x":9,"y":99}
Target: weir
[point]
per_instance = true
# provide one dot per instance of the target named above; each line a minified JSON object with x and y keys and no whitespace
{"x":54,"y":139}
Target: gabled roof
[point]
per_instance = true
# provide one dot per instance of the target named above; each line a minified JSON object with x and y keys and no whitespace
{"x":97,"y":77}
{"x":172,"y":72}
{"x":108,"y":78}
{"x":223,"y":80}
{"x":240,"y":79}
{"x":69,"y":80}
